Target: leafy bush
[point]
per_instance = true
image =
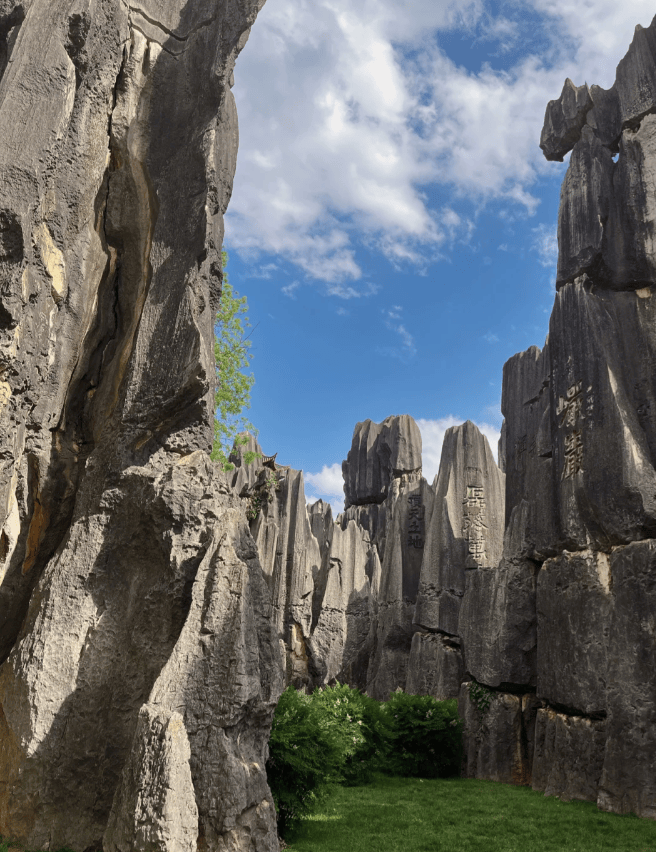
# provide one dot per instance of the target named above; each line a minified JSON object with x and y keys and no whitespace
{"x":339,"y":735}
{"x":305,"y":756}
{"x":361,"y":726}
{"x":426,"y":736}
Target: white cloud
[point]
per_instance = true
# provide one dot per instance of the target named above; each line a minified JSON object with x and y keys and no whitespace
{"x":545,"y":244}
{"x":490,"y":337}
{"x":327,"y":485}
{"x":291,"y":288}
{"x":350,"y":112}
{"x":432,"y":437}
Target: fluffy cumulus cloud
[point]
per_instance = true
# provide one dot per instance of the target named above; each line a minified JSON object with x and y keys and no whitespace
{"x":327,"y":485}
{"x":353,"y":111}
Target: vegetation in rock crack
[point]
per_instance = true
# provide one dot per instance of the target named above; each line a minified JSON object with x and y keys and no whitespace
{"x":463,"y":815}
{"x":338,"y":735}
{"x":261,"y":495}
{"x":481,"y":697}
{"x":233,"y":386}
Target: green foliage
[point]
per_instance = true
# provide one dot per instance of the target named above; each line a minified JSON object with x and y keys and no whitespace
{"x":261,"y":494}
{"x":305,"y":756}
{"x":426,"y":736}
{"x":481,"y":697}
{"x":338,"y":735}
{"x":233,"y":386}
{"x":361,"y":726}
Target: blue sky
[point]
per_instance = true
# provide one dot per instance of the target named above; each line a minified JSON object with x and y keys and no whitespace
{"x":393,"y":221}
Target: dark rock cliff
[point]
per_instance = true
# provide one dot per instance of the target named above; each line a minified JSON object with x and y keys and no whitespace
{"x":126,"y":563}
{"x":563,"y":630}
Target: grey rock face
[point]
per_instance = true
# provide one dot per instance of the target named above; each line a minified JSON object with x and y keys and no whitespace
{"x":602,"y":399}
{"x":580,"y":456}
{"x":573,"y":605}
{"x":155,"y":805}
{"x":342,"y":639}
{"x":246,"y":474}
{"x":435,"y":666}
{"x":498,"y":743}
{"x":525,"y":403}
{"x":606,"y":218}
{"x":465,"y":530}
{"x":118,"y":140}
{"x":585,"y":202}
{"x":157,"y":597}
{"x":291,"y":559}
{"x":498,"y":624}
{"x":380,"y":452}
{"x":408,"y":506}
{"x":627,"y":780}
{"x":564,"y":121}
{"x":569,"y":752}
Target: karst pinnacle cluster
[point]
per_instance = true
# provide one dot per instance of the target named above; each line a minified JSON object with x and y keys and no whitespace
{"x":152,"y":607}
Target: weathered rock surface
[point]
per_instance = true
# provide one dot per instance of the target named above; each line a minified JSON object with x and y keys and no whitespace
{"x":569,"y":753}
{"x":498,"y":740}
{"x":573,"y":606}
{"x":580,"y":462}
{"x":291,"y":560}
{"x":606,"y":217}
{"x":409,"y":504}
{"x":379,"y":453}
{"x":435,"y":666}
{"x":627,"y":781}
{"x":498,"y":624}
{"x":564,"y":120}
{"x":155,"y":804}
{"x":465,"y":528}
{"x":157,"y":597}
{"x":528,"y":464}
{"x":126,"y":563}
{"x":342,"y":639}
{"x":247,"y":458}
{"x":602,"y":408}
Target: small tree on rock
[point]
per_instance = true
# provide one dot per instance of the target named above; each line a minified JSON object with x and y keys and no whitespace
{"x":233,"y":387}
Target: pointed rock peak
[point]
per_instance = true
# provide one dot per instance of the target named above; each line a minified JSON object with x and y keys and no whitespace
{"x":248,"y":459}
{"x":379,"y":453}
{"x":564,"y":120}
{"x":319,"y":508}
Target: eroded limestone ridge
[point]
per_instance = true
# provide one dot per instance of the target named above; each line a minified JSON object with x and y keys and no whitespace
{"x":563,"y":630}
{"x":139,"y":669}
{"x":373,"y":598}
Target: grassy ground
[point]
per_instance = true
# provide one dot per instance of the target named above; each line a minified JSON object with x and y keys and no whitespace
{"x":462,"y":815}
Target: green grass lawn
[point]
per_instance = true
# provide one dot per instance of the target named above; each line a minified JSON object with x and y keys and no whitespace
{"x":463,"y":815}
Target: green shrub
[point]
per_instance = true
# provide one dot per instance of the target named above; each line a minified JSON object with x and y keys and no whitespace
{"x":426,"y":736}
{"x":338,"y":735}
{"x":361,"y":727}
{"x":305,"y":756}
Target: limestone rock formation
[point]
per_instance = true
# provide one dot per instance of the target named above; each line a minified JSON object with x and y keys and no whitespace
{"x":291,"y":560}
{"x":606,"y":218}
{"x":465,"y":530}
{"x":372,"y":598}
{"x":567,"y":617}
{"x":409,"y":505}
{"x":379,"y":453}
{"x":342,"y":638}
{"x":135,"y":623}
